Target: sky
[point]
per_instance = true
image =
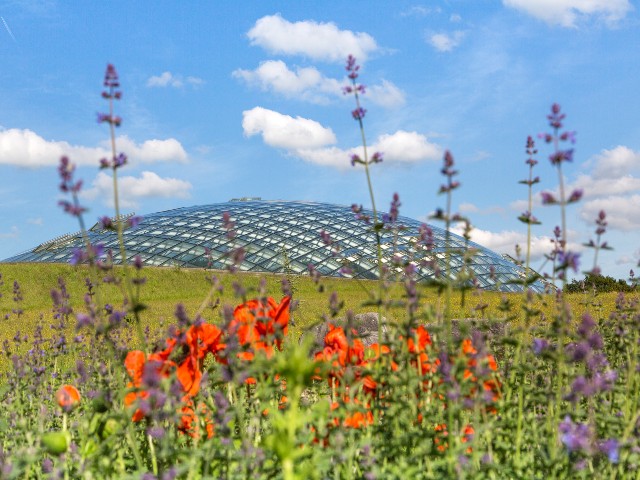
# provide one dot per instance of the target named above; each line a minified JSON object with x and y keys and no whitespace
{"x":222,"y":100}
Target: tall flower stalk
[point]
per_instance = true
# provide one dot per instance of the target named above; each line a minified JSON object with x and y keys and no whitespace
{"x":111,"y":93}
{"x":358,"y":114}
{"x":527,"y":217}
{"x":565,"y":259}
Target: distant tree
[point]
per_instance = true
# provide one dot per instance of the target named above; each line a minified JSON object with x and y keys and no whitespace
{"x":599,"y":283}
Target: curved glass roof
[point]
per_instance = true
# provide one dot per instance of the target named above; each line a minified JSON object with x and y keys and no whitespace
{"x":279,"y":236}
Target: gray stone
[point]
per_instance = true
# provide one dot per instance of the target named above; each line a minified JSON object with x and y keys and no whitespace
{"x":364,"y":324}
{"x":491,"y":330}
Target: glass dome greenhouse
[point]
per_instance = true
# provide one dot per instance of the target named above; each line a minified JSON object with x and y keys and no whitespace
{"x":284,"y":236}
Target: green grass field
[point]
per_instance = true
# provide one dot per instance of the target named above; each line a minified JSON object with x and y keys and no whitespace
{"x":166,"y":287}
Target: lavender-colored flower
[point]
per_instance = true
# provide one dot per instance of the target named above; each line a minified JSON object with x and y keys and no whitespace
{"x":111,"y":77}
{"x":352,"y":67}
{"x":586,"y":326}
{"x":170,"y":474}
{"x":560,"y":156}
{"x":601,"y":222}
{"x":579,"y":351}
{"x":156,"y":432}
{"x":120,"y":160}
{"x":426,"y":236}
{"x":314,"y":273}
{"x":106,"y":223}
{"x":358,"y":113}
{"x":326,"y":238}
{"x":555,"y":118}
{"x":134,"y":221}
{"x":356,"y":159}
{"x":394,"y":209}
{"x":576,"y":437}
{"x":346,"y":271}
{"x":137,"y":262}
{"x":611,"y":448}
{"x":47,"y":465}
{"x":575,"y":196}
{"x":376,"y":157}
{"x":548,"y":198}
{"x":527,"y":217}
{"x":540,"y":345}
{"x":569,"y":260}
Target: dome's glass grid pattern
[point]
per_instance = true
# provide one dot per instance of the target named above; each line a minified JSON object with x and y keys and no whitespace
{"x":280,"y":236}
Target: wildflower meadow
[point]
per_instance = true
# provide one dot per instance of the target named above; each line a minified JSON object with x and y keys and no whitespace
{"x":546,"y":385}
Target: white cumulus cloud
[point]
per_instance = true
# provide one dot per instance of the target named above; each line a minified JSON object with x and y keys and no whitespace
{"x":151,"y":151}
{"x":567,"y":12}
{"x":505,"y":242}
{"x":319,"y":41}
{"x":386,"y":95}
{"x":132,"y":189}
{"x":168,"y":79}
{"x":445,"y":42}
{"x":25,"y":148}
{"x":408,"y":147}
{"x":307,"y":83}
{"x":623,"y":212}
{"x":283,"y":131}
{"x":616,"y":162}
{"x":399,"y":147}
{"x":312,"y":142}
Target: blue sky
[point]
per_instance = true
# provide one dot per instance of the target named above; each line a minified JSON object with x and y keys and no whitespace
{"x":230,"y":99}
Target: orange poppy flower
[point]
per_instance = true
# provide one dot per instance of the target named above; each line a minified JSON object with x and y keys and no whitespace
{"x":68,"y":397}
{"x":355,"y":419}
{"x":134,"y":363}
{"x":254,"y":321}
{"x":419,"y":341}
{"x":203,"y":339}
{"x":468,"y":348}
{"x":191,"y":419}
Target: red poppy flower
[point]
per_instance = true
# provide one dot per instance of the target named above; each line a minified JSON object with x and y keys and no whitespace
{"x":134,"y":363}
{"x":254,"y":321}
{"x":68,"y":397}
{"x":190,"y":420}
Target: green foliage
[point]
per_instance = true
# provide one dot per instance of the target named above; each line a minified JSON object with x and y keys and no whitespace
{"x":598,"y":283}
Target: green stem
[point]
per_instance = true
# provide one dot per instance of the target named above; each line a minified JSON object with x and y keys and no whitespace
{"x":152,"y":450}
{"x":375,"y":214}
{"x":134,"y":448}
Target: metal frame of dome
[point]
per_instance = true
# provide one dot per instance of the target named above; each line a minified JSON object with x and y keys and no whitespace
{"x":284,"y":235}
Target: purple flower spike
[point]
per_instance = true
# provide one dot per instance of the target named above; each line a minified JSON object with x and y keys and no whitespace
{"x":134,"y":221}
{"x":575,"y":196}
{"x":540,"y":345}
{"x":352,"y":67}
{"x":575,"y":436}
{"x":106,"y":223}
{"x":569,"y":260}
{"x":120,"y":160}
{"x":358,"y":113}
{"x":548,"y":198}
{"x":111,"y":77}
{"x":611,"y":449}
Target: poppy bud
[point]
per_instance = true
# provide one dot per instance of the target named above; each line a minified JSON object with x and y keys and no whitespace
{"x":56,"y":443}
